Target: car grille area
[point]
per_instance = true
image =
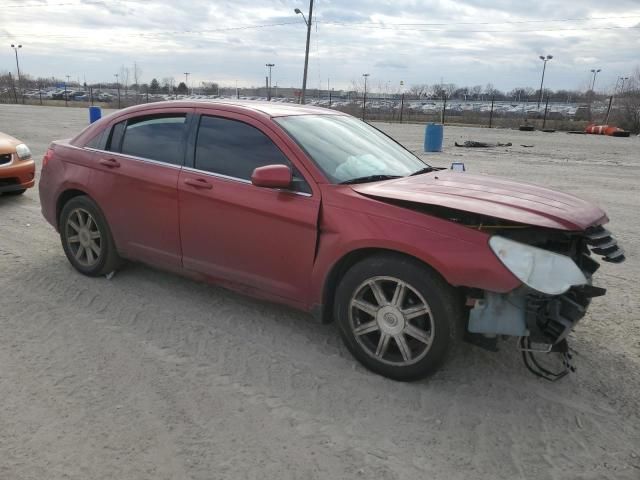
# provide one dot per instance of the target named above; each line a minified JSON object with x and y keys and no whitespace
{"x":5,"y":158}
{"x":550,"y":319}
{"x":601,"y":242}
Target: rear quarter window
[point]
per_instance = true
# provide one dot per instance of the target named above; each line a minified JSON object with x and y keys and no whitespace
{"x":155,"y":137}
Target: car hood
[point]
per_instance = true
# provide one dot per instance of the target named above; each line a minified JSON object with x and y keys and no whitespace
{"x":491,"y":196}
{"x":8,"y":143}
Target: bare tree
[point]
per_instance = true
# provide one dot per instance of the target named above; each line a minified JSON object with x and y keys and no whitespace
{"x":124,"y":79}
{"x":419,"y":90}
{"x":629,"y":101}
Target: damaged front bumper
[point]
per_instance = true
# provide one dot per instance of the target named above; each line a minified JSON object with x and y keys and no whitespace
{"x":545,"y":319}
{"x":530,"y":311}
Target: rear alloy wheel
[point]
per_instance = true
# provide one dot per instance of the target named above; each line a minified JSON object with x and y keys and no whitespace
{"x":83,"y":237}
{"x":86,"y":238}
{"x":397,"y":317}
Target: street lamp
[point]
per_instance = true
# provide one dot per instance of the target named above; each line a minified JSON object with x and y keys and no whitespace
{"x":118,"y":87}
{"x":186,"y":81}
{"x":593,"y":82}
{"x":269,"y":66}
{"x":15,"y":49}
{"x":66,"y":95}
{"x":364,"y":97}
{"x":306,"y":54}
{"x":622,"y":80}
{"x":544,"y":67}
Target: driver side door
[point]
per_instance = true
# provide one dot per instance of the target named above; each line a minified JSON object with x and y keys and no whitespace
{"x":258,"y":239}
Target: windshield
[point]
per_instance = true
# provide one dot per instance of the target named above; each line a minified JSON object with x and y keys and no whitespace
{"x":346,"y":149}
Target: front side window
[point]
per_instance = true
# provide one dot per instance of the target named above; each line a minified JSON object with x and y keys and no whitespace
{"x":233,"y":148}
{"x":156,"y":137}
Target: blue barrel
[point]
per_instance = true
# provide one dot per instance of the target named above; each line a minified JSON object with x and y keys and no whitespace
{"x":433,"y":135}
{"x":95,"y":113}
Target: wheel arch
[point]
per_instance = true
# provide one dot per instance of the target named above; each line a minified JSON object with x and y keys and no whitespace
{"x":64,"y":197}
{"x":325,"y":312}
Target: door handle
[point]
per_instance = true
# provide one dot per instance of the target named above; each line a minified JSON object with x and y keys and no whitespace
{"x":198,"y":183}
{"x":110,"y":162}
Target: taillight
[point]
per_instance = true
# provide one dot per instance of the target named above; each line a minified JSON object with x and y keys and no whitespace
{"x":47,"y":156}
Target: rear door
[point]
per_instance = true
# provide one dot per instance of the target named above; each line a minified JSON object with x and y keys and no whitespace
{"x":231,"y":230}
{"x":136,"y":179}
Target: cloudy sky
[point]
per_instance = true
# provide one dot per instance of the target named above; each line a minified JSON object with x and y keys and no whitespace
{"x":466,"y":42}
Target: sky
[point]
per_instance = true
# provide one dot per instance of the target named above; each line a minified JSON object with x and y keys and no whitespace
{"x":466,"y":42}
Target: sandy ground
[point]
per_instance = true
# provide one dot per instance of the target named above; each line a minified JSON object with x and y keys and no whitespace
{"x":151,"y":376}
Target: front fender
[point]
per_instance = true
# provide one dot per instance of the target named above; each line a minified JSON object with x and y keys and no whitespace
{"x":460,"y":254}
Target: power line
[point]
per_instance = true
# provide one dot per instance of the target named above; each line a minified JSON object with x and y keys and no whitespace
{"x":41,"y":5}
{"x":505,"y":22}
{"x":175,"y":32}
{"x":403,"y":27}
{"x":446,"y":30}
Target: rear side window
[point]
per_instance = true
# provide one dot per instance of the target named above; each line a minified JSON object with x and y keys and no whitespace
{"x":157,"y":137}
{"x":97,"y":141}
{"x":233,"y":148}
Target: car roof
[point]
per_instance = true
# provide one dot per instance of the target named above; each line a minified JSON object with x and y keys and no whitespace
{"x":271,"y":109}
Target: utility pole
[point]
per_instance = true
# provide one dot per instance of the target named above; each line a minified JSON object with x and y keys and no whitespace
{"x":186,"y":81}
{"x":544,"y":67}
{"x":15,"y":49}
{"x":269,"y":66}
{"x":364,"y":97}
{"x":306,"y":54}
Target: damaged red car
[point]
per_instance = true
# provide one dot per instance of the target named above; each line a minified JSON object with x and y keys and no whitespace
{"x":320,"y":211}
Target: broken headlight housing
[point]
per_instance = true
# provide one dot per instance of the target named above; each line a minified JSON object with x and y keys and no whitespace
{"x":544,"y":271}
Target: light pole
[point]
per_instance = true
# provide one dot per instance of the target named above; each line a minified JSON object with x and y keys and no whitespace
{"x":306,"y":54}
{"x":269,"y":66}
{"x":66,"y":95}
{"x":15,"y":49}
{"x":364,"y":97}
{"x":593,"y":82}
{"x":622,"y":80}
{"x":544,"y":67}
{"x":118,"y":87}
{"x":186,"y":81}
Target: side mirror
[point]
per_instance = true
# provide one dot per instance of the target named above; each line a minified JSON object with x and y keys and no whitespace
{"x":272,"y":176}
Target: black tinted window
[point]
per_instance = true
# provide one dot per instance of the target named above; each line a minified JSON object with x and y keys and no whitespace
{"x":155,"y":137}
{"x":233,"y":148}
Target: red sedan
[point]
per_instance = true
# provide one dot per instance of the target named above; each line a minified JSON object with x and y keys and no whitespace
{"x":318,"y":210}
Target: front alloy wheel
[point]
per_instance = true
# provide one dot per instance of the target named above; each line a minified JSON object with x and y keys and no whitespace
{"x":398,"y":316}
{"x":391,"y":321}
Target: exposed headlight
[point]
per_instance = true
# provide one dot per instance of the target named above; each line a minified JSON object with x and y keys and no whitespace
{"x":544,"y":271}
{"x":23,"y":152}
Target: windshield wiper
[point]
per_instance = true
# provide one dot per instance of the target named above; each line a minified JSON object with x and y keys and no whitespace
{"x":370,"y":178}
{"x":423,"y":170}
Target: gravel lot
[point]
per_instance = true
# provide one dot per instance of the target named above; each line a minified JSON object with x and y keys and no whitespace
{"x":152,"y":376}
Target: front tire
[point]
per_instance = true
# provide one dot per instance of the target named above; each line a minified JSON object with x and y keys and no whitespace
{"x":397,"y":316}
{"x":86,"y":238}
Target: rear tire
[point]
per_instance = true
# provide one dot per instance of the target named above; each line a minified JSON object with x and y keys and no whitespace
{"x":397,"y":316}
{"x":86,"y":238}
